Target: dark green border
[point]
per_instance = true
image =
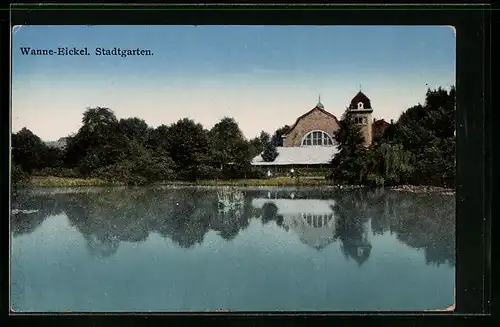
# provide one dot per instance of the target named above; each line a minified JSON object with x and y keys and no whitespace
{"x":473,"y":125}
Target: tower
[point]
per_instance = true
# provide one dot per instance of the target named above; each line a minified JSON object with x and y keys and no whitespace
{"x":360,"y":111}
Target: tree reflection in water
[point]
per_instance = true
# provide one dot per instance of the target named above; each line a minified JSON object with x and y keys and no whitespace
{"x":106,"y":218}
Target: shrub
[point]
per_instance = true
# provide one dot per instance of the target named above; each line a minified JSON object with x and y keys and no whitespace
{"x":270,"y":152}
{"x":18,"y":175}
{"x":375,"y":180}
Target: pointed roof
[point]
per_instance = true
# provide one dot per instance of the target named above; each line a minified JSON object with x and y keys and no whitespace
{"x":319,"y":107}
{"x":360,"y":97}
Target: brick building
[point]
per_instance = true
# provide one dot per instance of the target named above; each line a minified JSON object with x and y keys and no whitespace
{"x":310,"y":140}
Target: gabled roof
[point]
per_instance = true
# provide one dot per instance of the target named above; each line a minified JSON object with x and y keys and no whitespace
{"x":304,"y":155}
{"x":381,"y":122}
{"x":360,"y":97}
{"x":319,"y":107}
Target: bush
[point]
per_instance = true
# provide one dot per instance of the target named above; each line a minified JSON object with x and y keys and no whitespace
{"x":18,"y":175}
{"x":57,"y":172}
{"x":256,"y":174}
{"x":209,"y":172}
{"x":375,"y":180}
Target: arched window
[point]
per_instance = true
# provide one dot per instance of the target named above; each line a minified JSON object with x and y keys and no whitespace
{"x":317,"y":138}
{"x":360,"y":105}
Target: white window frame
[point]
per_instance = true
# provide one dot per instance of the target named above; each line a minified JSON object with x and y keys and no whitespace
{"x":324,"y":137}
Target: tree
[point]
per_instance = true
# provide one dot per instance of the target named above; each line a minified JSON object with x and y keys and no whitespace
{"x":392,"y":162}
{"x":135,"y":129}
{"x":188,"y":145}
{"x":277,"y":138}
{"x":270,"y":152}
{"x":349,"y":164}
{"x":98,"y":143}
{"x":428,"y":132}
{"x":229,"y":147}
{"x":27,"y":150}
{"x":158,"y":138}
{"x":257,"y":144}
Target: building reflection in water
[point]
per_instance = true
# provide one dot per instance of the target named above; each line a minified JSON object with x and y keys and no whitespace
{"x":318,"y":222}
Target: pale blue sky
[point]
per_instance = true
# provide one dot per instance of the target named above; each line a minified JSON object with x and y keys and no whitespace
{"x":263,"y":76}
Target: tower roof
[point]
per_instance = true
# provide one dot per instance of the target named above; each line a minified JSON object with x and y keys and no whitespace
{"x":360,"y":97}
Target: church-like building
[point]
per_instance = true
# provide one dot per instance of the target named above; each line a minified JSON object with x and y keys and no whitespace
{"x":310,"y":140}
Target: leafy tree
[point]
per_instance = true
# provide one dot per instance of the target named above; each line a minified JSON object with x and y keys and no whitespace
{"x":392,"y":162}
{"x":428,"y":132}
{"x":140,"y":167}
{"x":157,"y":138}
{"x":270,"y":152}
{"x":228,"y":148}
{"x":27,"y":150}
{"x":98,"y":143}
{"x":349,"y":164}
{"x":187,"y":143}
{"x":135,"y":129}
{"x":257,"y":144}
{"x":277,"y":138}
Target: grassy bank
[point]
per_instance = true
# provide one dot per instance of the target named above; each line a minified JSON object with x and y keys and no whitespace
{"x":63,"y":182}
{"x":276,"y":182}
{"x":52,"y":181}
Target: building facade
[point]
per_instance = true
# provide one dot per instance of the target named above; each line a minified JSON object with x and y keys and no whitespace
{"x":314,"y":128}
{"x":310,"y":141}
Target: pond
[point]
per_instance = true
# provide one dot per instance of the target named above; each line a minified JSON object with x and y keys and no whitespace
{"x":205,"y":249}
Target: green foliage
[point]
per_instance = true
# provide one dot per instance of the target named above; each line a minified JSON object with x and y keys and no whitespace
{"x":228,"y":148}
{"x":140,"y":167}
{"x":188,"y":145}
{"x":277,"y":138}
{"x":270,"y":152}
{"x":257,"y":144}
{"x":375,"y":180}
{"x":18,"y":175}
{"x":418,"y":149}
{"x":135,"y":129}
{"x":28,"y":150}
{"x":350,"y":164}
{"x":393,"y":162}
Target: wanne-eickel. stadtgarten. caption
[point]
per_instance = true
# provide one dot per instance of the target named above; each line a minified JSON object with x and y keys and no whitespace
{"x":65,"y":51}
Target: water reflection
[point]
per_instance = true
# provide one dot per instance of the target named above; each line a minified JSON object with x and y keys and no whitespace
{"x":107,"y":218}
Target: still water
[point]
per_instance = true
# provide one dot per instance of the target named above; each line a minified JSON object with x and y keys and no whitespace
{"x":189,"y":249}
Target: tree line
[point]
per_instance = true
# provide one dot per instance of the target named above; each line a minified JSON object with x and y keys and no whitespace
{"x":418,"y":149}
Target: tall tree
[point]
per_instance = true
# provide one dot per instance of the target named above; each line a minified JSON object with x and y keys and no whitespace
{"x":188,"y":145}
{"x":27,"y":150}
{"x":257,"y":144}
{"x":135,"y":129}
{"x":349,"y":164}
{"x":277,"y":138}
{"x":228,"y":147}
{"x":98,"y":143}
{"x":428,"y":132}
{"x":158,"y":138}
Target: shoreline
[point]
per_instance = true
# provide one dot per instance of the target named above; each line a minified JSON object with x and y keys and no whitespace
{"x":57,"y":184}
